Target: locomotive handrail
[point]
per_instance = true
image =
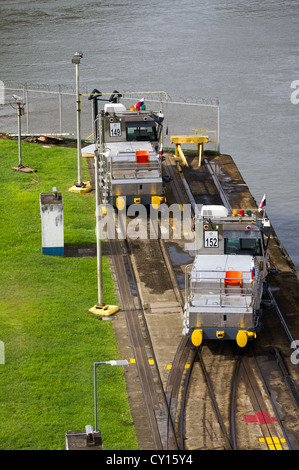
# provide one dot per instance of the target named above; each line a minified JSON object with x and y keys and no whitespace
{"x":135,"y":170}
{"x":214,"y":290}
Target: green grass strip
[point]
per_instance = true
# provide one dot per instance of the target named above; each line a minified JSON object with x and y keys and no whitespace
{"x":51,"y":340}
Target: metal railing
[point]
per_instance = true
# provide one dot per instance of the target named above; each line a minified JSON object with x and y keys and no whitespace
{"x":128,"y":170}
{"x":209,"y":291}
{"x":52,"y":111}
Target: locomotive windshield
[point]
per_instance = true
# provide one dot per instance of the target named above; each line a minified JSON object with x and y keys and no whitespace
{"x":142,"y":131}
{"x":242,"y":246}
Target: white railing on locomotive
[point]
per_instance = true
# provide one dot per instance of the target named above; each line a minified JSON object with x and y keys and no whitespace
{"x":132,"y":169}
{"x":202,"y":289}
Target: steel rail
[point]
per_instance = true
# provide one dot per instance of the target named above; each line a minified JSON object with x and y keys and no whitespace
{"x":214,"y":401}
{"x":233,"y":402}
{"x":184,"y":401}
{"x":269,"y":395}
{"x":131,"y":308}
{"x":162,"y":403}
{"x":159,"y":402}
{"x":137,"y":341}
{"x":285,"y":374}
{"x":218,"y":185}
{"x":175,"y":181}
{"x":174,"y":385}
{"x":281,"y":318}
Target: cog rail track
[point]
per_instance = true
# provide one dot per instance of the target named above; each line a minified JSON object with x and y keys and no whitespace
{"x":150,"y":380}
{"x":226,"y":437}
{"x":167,"y":409}
{"x":271,"y":427}
{"x":131,"y":311}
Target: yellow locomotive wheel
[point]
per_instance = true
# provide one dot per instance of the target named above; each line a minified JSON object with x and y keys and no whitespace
{"x":242,"y":338}
{"x":196,"y":337}
{"x":120,"y":203}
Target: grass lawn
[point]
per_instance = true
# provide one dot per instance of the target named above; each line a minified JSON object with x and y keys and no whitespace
{"x":51,"y":340}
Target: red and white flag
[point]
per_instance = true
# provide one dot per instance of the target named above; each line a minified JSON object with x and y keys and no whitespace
{"x":160,"y":151}
{"x":263,"y":203}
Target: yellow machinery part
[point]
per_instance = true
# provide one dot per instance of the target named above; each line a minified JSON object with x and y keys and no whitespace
{"x":243,"y":336}
{"x":156,"y":201}
{"x":196,"y":337}
{"x":220,"y":334}
{"x":120,"y":203}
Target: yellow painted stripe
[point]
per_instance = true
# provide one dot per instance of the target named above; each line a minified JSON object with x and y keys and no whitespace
{"x":273,"y":443}
{"x":169,"y":366}
{"x":150,"y":361}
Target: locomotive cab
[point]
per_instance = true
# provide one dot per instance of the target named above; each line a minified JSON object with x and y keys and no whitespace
{"x":130,"y":163}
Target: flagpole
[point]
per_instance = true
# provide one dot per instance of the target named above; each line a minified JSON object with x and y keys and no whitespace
{"x":264,"y":213}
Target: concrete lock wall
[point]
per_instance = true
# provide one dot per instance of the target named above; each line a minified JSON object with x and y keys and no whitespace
{"x":51,"y":209}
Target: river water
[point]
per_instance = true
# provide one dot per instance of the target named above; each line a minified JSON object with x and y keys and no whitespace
{"x":244,"y":53}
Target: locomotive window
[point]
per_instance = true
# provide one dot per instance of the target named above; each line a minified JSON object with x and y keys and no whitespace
{"x":242,"y":246}
{"x":142,"y":133}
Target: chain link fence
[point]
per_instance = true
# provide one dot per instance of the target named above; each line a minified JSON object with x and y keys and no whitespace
{"x":51,"y":110}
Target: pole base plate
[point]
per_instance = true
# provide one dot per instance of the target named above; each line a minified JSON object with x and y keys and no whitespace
{"x":104,"y":310}
{"x":85,"y":188}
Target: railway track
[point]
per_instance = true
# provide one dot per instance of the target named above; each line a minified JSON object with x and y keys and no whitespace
{"x":169,"y":408}
{"x":220,"y":419}
{"x":241,"y":370}
{"x":131,"y":308}
{"x":144,"y":355}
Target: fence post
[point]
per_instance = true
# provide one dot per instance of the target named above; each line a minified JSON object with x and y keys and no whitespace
{"x":27,"y":110}
{"x":60,"y":109}
{"x":218,"y":129}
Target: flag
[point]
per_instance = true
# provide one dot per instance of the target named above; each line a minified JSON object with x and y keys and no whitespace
{"x":139,"y":104}
{"x":160,"y":151}
{"x":263,"y":203}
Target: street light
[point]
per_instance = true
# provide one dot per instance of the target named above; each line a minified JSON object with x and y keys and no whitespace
{"x":20,"y":107}
{"x":76,"y":60}
{"x":79,"y":186}
{"x":100,"y":308}
{"x":122,"y":362}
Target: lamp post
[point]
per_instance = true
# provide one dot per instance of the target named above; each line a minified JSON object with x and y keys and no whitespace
{"x":20,"y":107}
{"x":20,"y":112}
{"x":76,"y":60}
{"x":100,"y":308}
{"x":95,"y":366}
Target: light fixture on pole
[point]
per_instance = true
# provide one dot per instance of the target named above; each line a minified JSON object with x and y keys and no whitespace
{"x":79,"y":186}
{"x":100,"y":308}
{"x":122,"y":362}
{"x":20,"y":107}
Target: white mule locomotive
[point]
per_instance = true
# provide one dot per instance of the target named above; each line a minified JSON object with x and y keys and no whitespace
{"x":224,"y":285}
{"x":129,"y":156}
